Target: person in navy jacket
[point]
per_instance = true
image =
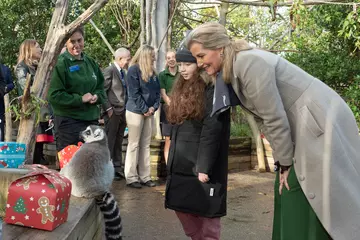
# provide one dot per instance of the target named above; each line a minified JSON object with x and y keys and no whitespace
{"x":143,"y":101}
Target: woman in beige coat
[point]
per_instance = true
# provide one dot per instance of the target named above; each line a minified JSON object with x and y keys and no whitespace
{"x":312,"y":132}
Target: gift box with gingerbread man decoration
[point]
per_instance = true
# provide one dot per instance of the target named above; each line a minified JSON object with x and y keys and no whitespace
{"x":39,"y":200}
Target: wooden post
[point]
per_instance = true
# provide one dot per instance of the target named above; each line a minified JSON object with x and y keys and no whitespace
{"x":57,"y":35}
{"x":8,"y":120}
{"x":258,"y":141}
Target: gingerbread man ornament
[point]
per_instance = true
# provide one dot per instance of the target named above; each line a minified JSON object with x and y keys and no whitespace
{"x":26,"y":182}
{"x":45,"y":210}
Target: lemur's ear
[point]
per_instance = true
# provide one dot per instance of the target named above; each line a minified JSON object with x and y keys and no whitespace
{"x":97,"y":132}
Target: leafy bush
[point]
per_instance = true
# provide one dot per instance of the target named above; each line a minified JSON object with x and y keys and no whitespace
{"x":352,"y":96}
{"x":239,"y":125}
{"x":240,"y":130}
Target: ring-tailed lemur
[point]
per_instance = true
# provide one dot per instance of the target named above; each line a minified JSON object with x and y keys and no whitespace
{"x":91,"y":172}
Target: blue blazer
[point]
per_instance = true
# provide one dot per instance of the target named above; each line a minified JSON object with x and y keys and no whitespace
{"x":141,"y":95}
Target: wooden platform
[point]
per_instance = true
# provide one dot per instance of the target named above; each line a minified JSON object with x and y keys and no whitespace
{"x":84,"y":223}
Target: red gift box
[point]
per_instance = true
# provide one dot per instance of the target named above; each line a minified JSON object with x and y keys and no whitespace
{"x":39,"y":200}
{"x":66,"y":154}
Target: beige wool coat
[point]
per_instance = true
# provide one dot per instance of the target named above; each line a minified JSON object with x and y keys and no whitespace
{"x":308,"y":124}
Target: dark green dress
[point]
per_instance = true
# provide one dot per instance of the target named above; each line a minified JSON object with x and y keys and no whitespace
{"x":294,"y":218}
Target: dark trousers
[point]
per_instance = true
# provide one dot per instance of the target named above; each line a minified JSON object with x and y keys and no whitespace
{"x":67,"y":131}
{"x":115,"y":127}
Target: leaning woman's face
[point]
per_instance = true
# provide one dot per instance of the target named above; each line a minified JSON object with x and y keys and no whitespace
{"x":36,"y":51}
{"x":209,"y":60}
{"x":187,"y":70}
{"x":75,"y":44}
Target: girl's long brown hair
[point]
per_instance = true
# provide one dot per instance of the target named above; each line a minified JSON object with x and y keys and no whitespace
{"x":187,"y":100}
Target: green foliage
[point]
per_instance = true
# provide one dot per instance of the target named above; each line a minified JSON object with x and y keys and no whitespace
{"x":240,"y":130}
{"x":20,"y":20}
{"x":328,"y":50}
{"x":322,"y":52}
{"x":352,"y":97}
{"x":239,"y":126}
{"x":350,"y":28}
{"x":33,"y":107}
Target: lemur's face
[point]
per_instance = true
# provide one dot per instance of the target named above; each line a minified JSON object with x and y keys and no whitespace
{"x":92,"y":134}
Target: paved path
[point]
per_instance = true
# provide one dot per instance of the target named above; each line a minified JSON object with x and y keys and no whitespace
{"x":250,"y":210}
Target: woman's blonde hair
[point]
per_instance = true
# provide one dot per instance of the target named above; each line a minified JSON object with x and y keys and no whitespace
{"x":214,"y":36}
{"x":143,"y":57}
{"x":25,"y":52}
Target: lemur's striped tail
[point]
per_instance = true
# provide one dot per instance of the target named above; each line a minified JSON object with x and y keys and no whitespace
{"x":111,"y":211}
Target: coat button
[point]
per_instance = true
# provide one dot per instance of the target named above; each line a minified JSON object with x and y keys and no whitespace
{"x":301,"y":178}
{"x":311,"y":195}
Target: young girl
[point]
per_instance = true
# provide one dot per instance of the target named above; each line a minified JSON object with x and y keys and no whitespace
{"x":198,"y":161}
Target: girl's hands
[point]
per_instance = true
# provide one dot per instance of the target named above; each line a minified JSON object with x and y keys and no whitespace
{"x":203,"y":177}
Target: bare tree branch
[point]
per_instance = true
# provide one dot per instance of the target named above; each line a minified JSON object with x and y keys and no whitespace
{"x":102,"y":36}
{"x":191,"y":19}
{"x":191,"y":10}
{"x":85,"y":16}
{"x":187,"y":25}
{"x":200,"y":8}
{"x":279,"y":4}
{"x":134,"y":41}
{"x":119,"y":18}
{"x":284,"y":50}
{"x":129,"y":46}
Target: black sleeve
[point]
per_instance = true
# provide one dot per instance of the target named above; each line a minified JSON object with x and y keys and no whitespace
{"x":210,"y":137}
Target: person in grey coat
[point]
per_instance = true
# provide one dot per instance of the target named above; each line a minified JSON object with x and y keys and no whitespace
{"x":114,"y":106}
{"x":312,"y":131}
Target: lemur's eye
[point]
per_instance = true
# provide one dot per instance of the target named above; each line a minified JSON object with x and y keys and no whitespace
{"x":88,"y":132}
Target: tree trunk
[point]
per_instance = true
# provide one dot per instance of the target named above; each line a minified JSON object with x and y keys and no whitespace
{"x":156,"y":26}
{"x":8,"y":120}
{"x":171,"y":11}
{"x":224,"y":7}
{"x":142,"y":22}
{"x":55,"y":40}
{"x":148,"y":21}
